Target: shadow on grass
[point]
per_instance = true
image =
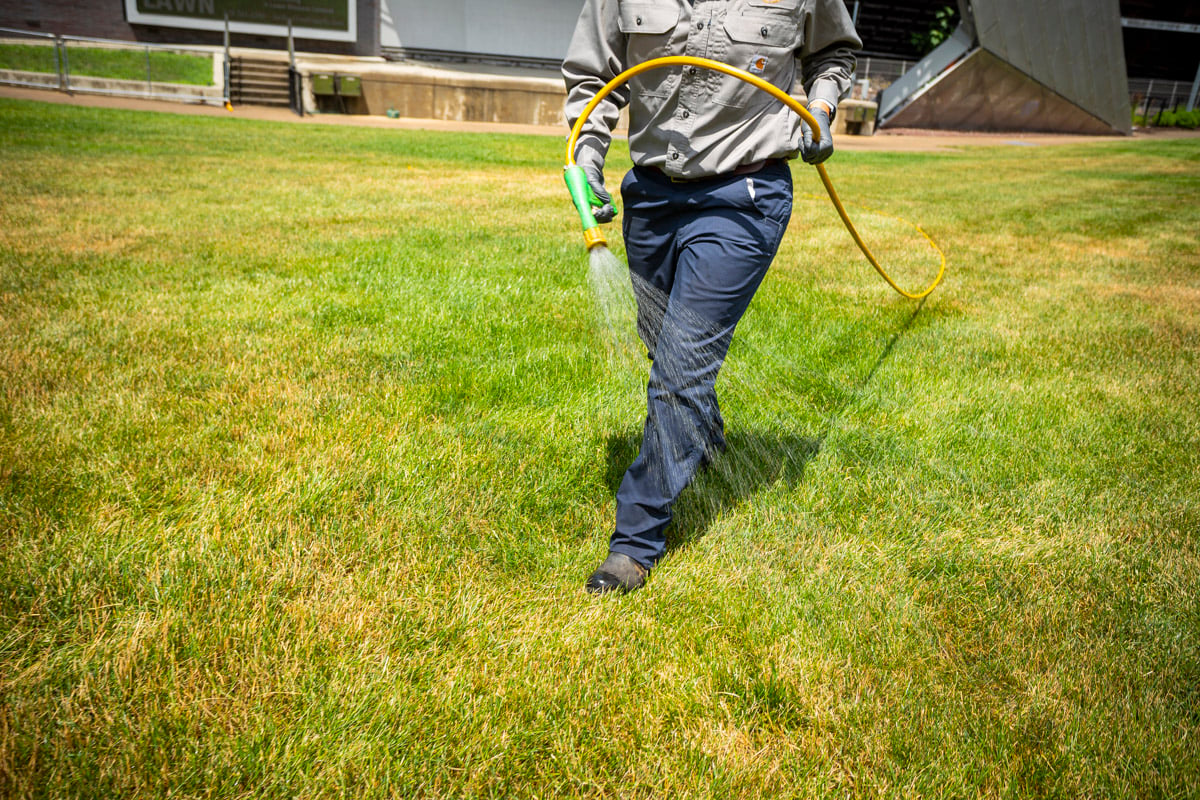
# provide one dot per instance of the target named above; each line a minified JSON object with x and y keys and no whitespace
{"x":753,"y":461}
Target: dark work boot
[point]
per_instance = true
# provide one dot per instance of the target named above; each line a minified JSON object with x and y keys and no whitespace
{"x":618,"y":573}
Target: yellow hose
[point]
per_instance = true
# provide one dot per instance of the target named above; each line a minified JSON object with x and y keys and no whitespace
{"x":790,"y":102}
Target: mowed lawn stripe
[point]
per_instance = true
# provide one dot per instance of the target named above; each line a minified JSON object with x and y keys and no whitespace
{"x":309,"y":436}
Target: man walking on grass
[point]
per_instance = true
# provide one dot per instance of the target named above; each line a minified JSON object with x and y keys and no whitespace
{"x":706,"y":206}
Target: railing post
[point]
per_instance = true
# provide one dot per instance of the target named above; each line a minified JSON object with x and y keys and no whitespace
{"x":66,"y":72}
{"x":225,"y":71}
{"x":295,"y":88}
{"x":149,"y":82}
{"x":1192,"y":95}
{"x":58,"y":63}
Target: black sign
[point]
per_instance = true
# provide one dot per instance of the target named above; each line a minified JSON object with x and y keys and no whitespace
{"x":310,"y":19}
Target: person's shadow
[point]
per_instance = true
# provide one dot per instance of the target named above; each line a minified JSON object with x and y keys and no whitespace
{"x":752,"y":461}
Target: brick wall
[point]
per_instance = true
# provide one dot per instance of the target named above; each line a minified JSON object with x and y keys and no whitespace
{"x":102,"y":18}
{"x":105,"y":19}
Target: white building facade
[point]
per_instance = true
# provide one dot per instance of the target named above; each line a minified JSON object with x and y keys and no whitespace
{"x":534,"y":30}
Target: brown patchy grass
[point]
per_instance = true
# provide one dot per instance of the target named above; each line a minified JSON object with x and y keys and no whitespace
{"x":308,"y":438}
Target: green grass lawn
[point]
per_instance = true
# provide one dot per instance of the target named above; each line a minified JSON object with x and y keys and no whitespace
{"x":309,"y":437}
{"x":105,"y":62}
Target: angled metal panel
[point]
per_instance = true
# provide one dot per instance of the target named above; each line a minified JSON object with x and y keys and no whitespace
{"x":984,"y":93}
{"x":1070,"y":50}
{"x":986,"y":19}
{"x":1073,"y":47}
{"x":953,"y":48}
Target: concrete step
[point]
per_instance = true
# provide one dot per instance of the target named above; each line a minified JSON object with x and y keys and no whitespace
{"x":260,"y":63}
{"x":250,"y":83}
{"x":261,"y":91}
{"x":258,"y":77}
{"x":253,"y":70}
{"x":261,"y":99}
{"x":259,"y":82}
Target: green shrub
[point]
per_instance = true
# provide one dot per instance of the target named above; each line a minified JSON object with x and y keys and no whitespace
{"x":1177,"y":117}
{"x":1188,"y":119}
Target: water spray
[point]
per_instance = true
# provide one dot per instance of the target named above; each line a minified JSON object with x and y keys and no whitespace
{"x":584,"y":198}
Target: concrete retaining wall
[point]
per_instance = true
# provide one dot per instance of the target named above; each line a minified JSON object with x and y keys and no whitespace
{"x":423,"y":92}
{"x":427,"y":93}
{"x":159,"y":91}
{"x":465,"y":99}
{"x":855,"y":118}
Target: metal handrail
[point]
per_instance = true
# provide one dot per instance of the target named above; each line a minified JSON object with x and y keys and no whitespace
{"x":57,"y":56}
{"x":125,"y":44}
{"x":35,"y":34}
{"x":63,"y":68}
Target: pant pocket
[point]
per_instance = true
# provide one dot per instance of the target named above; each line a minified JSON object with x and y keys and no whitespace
{"x":770,"y":192}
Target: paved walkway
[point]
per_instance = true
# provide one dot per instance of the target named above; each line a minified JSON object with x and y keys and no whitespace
{"x":884,"y":141}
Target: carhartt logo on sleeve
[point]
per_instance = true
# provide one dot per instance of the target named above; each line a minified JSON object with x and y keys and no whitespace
{"x":758,"y":64}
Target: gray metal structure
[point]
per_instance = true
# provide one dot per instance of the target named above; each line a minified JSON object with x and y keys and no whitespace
{"x":532,"y":29}
{"x":1020,"y":65}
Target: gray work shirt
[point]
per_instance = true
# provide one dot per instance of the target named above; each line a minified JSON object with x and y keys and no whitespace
{"x":692,"y":122}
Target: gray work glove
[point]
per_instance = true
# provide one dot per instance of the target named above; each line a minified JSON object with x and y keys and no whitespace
{"x":606,"y":211}
{"x":816,"y":152}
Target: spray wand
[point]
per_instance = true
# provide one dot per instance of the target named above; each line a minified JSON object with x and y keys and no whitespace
{"x":584,"y":198}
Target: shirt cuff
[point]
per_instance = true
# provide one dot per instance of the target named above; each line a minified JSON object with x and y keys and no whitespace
{"x":590,"y":152}
{"x":827,"y":92}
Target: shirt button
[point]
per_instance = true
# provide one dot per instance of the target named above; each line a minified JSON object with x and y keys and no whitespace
{"x":674,"y":156}
{"x":685,"y":113}
{"x":765,"y":31}
{"x":699,"y":26}
{"x":638,"y":21}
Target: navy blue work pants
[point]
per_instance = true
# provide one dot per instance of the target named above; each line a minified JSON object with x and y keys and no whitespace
{"x":697,"y":253}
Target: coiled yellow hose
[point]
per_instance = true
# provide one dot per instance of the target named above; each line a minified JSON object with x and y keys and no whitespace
{"x":790,"y":102}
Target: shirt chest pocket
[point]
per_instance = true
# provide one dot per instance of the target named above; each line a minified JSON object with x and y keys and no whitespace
{"x":784,"y":6}
{"x":649,"y":29}
{"x":762,"y":40}
{"x":763,"y":28}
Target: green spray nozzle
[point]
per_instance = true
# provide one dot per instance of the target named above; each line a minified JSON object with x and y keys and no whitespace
{"x":584,"y":198}
{"x":581,"y":194}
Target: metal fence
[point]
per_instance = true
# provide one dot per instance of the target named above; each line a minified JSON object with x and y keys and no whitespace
{"x":1148,"y":95}
{"x":54,"y":70}
{"x":874,"y":74}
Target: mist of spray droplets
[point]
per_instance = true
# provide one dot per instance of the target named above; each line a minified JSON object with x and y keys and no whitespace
{"x":772,"y":428}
